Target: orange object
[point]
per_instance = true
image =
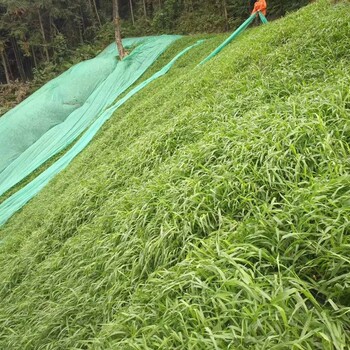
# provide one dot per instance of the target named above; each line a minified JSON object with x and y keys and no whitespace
{"x":261,"y":6}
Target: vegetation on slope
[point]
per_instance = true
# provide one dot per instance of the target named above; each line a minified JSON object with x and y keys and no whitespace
{"x":210,"y":213}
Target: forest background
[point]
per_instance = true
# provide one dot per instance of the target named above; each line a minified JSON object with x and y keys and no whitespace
{"x":41,"y":38}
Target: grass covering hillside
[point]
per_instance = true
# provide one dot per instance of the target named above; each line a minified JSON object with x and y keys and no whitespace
{"x":211,"y":212}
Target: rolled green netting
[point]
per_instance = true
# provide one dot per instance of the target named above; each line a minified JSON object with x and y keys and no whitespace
{"x":53,"y":117}
{"x":234,"y":35}
{"x":20,"y":198}
{"x":263,"y":18}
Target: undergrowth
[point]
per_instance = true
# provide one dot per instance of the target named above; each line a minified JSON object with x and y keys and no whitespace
{"x":211,"y":212}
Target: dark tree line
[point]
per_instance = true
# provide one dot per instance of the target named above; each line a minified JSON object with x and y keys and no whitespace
{"x":35,"y":32}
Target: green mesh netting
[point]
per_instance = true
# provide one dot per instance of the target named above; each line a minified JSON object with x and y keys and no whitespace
{"x":235,"y":34}
{"x":20,"y":198}
{"x":54,"y":116}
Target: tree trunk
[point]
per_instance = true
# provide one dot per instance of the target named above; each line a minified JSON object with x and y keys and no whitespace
{"x":18,"y":60}
{"x":44,"y":37}
{"x":80,"y":31}
{"x":34,"y":58}
{"x":9,"y":67}
{"x":50,"y":22}
{"x":132,"y":12}
{"x":96,"y":12}
{"x":82,"y":20}
{"x":144,"y":8}
{"x":7,"y":75}
{"x":149,"y":5}
{"x":118,"y":35}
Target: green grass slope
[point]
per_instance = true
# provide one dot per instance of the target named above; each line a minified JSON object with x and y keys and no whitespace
{"x":211,"y":212}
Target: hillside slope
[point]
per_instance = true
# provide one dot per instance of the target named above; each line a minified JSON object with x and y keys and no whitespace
{"x":211,"y":212}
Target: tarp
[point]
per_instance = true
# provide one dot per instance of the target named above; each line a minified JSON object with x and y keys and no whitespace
{"x":20,"y":198}
{"x":54,"y":116}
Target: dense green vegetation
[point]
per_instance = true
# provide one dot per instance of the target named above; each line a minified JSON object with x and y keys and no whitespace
{"x":211,"y":212}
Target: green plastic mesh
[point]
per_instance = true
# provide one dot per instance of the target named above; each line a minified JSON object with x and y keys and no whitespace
{"x":234,"y":35}
{"x":20,"y":198}
{"x":54,"y":116}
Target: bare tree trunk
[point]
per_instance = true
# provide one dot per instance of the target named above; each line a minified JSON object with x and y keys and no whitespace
{"x":44,"y":37}
{"x":7,"y":75}
{"x":9,"y":68}
{"x":34,"y":58}
{"x":118,"y":35}
{"x":149,"y":5}
{"x":80,"y":31}
{"x":132,"y":12}
{"x":82,"y":19}
{"x":18,"y":60}
{"x":144,"y":8}
{"x":51,"y":27}
{"x":96,"y":12}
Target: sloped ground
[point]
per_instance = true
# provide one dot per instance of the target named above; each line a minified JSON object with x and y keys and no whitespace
{"x":212,"y":212}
